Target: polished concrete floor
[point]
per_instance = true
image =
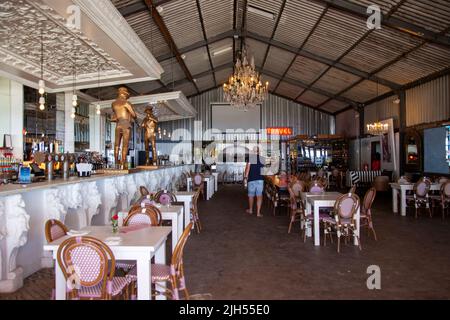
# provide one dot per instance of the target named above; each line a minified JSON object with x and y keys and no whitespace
{"x":238,"y":256}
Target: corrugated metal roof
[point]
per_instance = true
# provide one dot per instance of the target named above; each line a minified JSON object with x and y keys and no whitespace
{"x":170,"y":67}
{"x":145,"y":87}
{"x":336,"y":33}
{"x":311,"y":98}
{"x":197,"y":61}
{"x":278,"y":60}
{"x":380,"y":47}
{"x":433,"y":15}
{"x":297,"y":21}
{"x":334,"y":106}
{"x":123,"y":3}
{"x":187,"y":88}
{"x":260,"y":24}
{"x":418,"y":64}
{"x":223,"y":58}
{"x":385,"y":5}
{"x":257,"y":49}
{"x":365,"y":91}
{"x":289,"y":90}
{"x":306,"y":70}
{"x":217,"y":16}
{"x":335,"y":80}
{"x":142,"y":23}
{"x":206,"y":82}
{"x":223,"y":75}
{"x":183,"y":22}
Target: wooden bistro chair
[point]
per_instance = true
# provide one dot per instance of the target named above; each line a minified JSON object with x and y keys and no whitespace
{"x":366,"y":211}
{"x":55,"y":229}
{"x":445,"y":198}
{"x":297,"y":213}
{"x":343,"y":223}
{"x":143,"y":191}
{"x":316,"y":187}
{"x":198,"y":182}
{"x":165,"y":197}
{"x":147,"y":215}
{"x":194,"y":211}
{"x":420,"y":197}
{"x":173,"y":273}
{"x":88,"y":265}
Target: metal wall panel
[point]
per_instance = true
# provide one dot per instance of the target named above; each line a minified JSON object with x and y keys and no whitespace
{"x":275,"y":111}
{"x":382,"y":110}
{"x":429,"y":102}
{"x":347,"y":124}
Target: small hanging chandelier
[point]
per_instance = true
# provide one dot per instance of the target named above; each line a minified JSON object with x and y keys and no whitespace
{"x":377,"y":128}
{"x":245,"y":89}
{"x":41,"y":81}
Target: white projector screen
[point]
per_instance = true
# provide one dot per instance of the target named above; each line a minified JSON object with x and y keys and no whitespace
{"x":224,"y":117}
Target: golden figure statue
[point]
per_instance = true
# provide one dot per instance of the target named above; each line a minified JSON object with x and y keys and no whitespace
{"x":149,"y":124}
{"x":123,"y":116}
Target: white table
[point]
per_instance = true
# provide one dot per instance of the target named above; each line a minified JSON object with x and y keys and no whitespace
{"x":327,"y":199}
{"x":140,"y":245}
{"x":172,"y":213}
{"x":402,"y":188}
{"x":186,"y":197}
{"x":209,"y":185}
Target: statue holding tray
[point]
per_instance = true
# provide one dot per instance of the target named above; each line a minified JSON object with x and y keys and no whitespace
{"x":124,"y":116}
{"x":149,"y":124}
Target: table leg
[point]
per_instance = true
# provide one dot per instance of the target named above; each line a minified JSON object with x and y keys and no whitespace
{"x":180,"y":225}
{"x":160,"y":258}
{"x":394,"y":200}
{"x":403,"y":201}
{"x":316,"y":226}
{"x":187,"y":212}
{"x":308,"y":212}
{"x":60,"y":287}
{"x":144,"y":279}
{"x":188,"y":183}
{"x":174,"y":232}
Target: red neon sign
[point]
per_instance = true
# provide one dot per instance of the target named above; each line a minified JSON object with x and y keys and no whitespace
{"x":280,"y":131}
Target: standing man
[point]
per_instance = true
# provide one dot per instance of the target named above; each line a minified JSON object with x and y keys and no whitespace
{"x":255,"y":183}
{"x":149,"y":124}
{"x":123,"y":116}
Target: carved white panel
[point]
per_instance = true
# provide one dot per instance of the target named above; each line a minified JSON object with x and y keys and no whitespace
{"x":121,"y":185}
{"x":54,"y":208}
{"x":111,"y":197}
{"x":91,"y":200}
{"x":132,"y":188}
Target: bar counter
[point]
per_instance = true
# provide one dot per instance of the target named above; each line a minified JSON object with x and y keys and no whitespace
{"x":78,"y":202}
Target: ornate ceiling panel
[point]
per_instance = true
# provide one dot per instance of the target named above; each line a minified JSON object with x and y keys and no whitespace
{"x":65,"y":51}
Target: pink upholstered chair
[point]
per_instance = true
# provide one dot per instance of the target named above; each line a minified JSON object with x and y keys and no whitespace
{"x":298,"y":187}
{"x":343,"y":223}
{"x":145,"y":215}
{"x":165,"y":197}
{"x":90,"y":265}
{"x":366,"y":211}
{"x":173,"y":273}
{"x":420,"y":198}
{"x":54,"y":229}
{"x":316,"y":187}
{"x":296,"y":209}
{"x":198,"y":180}
{"x":445,"y":198}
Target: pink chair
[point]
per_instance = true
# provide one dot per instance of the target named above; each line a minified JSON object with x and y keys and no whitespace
{"x":420,"y":198}
{"x":343,"y":224}
{"x":165,"y":197}
{"x":316,"y":187}
{"x":88,"y":265}
{"x":445,"y":198}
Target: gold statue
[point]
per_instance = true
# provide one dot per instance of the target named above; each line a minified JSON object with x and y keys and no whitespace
{"x":149,"y":124}
{"x":123,"y":116}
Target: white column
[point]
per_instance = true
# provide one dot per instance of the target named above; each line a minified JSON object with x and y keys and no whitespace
{"x":11,"y":110}
{"x":17,"y":118}
{"x":69,"y":135}
{"x":94,"y":129}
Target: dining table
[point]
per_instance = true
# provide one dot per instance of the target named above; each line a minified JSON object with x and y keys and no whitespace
{"x":140,"y":245}
{"x":402,"y":188}
{"x":187,"y":197}
{"x":210,"y":185}
{"x":172,"y":213}
{"x":314,"y":201}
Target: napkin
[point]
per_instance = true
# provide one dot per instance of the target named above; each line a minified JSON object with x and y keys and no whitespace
{"x":77,"y":233}
{"x":113,"y":241}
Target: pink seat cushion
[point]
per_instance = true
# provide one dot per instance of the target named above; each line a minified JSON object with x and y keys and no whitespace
{"x":160,"y":272}
{"x":118,"y":284}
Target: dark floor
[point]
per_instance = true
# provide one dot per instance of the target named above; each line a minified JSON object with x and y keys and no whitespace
{"x":238,"y":256}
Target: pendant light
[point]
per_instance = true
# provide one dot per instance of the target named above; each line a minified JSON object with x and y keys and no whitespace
{"x":74,"y":96}
{"x":98,"y":108}
{"x":41,"y":81}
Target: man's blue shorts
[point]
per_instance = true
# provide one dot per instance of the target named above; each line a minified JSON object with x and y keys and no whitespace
{"x":255,"y":188}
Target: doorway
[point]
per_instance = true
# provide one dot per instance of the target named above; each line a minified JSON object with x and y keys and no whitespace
{"x":375,"y":158}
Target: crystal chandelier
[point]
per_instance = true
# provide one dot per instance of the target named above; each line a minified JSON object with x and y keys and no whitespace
{"x":245,"y":89}
{"x":377,"y":128}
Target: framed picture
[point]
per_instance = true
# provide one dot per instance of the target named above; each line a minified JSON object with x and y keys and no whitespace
{"x":7,"y":141}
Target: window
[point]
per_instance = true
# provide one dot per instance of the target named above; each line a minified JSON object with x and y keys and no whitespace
{"x":447,"y":144}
